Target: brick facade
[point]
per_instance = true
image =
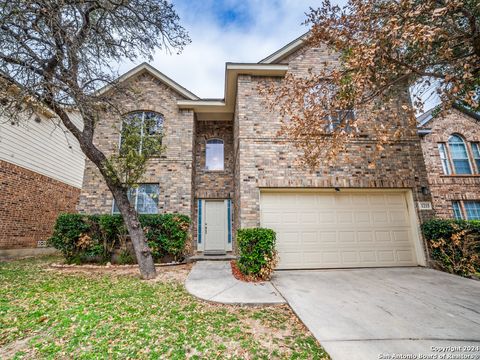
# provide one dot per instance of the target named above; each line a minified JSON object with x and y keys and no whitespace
{"x":213,"y":184}
{"x":30,"y":203}
{"x":448,"y":188}
{"x":264,"y":161}
{"x":172,"y":170}
{"x":255,"y":158}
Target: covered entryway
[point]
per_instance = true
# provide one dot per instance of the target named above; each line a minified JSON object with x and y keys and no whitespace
{"x":339,"y":229}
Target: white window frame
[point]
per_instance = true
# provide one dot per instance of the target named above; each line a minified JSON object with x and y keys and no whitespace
{"x":143,"y":112}
{"x":135,"y":204}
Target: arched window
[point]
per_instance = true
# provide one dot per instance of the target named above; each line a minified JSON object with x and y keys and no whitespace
{"x":459,"y":155}
{"x":214,"y":155}
{"x":143,"y":124}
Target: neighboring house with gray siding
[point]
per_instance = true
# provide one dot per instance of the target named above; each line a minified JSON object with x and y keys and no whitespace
{"x":225,"y":166}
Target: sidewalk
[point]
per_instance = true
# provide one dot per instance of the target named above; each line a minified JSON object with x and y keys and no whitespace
{"x":213,"y":281}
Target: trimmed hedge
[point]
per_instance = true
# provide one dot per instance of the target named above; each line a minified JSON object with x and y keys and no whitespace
{"x":96,"y":238}
{"x":454,"y":245}
{"x":258,"y":256}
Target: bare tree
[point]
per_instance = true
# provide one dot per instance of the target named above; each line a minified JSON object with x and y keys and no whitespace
{"x":55,"y":54}
{"x":382,"y":46}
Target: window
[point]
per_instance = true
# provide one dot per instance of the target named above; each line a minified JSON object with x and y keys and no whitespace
{"x":443,"y":157}
{"x":459,"y":155}
{"x":334,"y":118}
{"x":457,"y":211}
{"x":143,"y":124}
{"x":472,"y":210}
{"x":339,"y":117}
{"x":476,"y":155}
{"x":144,"y":199}
{"x":214,"y":155}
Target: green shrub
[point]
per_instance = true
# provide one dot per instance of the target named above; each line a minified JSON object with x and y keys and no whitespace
{"x":72,"y":235}
{"x":454,"y":245}
{"x":93,"y":238}
{"x":258,"y":256}
{"x":166,"y":234}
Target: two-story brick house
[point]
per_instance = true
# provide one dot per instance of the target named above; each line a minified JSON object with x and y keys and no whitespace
{"x":225,"y":166}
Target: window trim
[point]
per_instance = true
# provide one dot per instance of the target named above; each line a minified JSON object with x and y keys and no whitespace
{"x":223,"y":151}
{"x":124,"y":116}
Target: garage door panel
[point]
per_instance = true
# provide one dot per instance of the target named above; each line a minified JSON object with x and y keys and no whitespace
{"x":380,"y":218}
{"x":405,"y":256}
{"x":346,"y":237}
{"x":376,"y":199}
{"x":339,"y":230}
{"x":345,"y":217}
{"x":362,"y":218}
{"x":324,"y":200}
{"x":307,"y":218}
{"x":398,"y":217}
{"x":350,"y":257}
{"x":327,"y":218}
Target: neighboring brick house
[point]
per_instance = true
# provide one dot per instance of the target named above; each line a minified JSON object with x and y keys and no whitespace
{"x":41,"y":172}
{"x":451,"y":148}
{"x":225,"y":166}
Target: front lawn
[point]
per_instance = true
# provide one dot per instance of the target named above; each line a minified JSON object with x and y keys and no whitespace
{"x":55,"y":313}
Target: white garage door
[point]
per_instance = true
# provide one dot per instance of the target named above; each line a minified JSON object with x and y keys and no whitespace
{"x":340,"y":229}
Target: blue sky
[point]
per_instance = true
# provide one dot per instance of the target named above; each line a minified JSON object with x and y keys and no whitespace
{"x":228,"y":31}
{"x":231,"y":31}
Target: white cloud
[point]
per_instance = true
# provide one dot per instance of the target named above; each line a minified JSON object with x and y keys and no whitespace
{"x":259,"y":28}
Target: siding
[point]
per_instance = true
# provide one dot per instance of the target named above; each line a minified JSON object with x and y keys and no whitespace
{"x":43,"y":148}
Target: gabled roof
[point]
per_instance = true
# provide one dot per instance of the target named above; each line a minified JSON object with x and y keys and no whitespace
{"x":283,"y":52}
{"x":429,"y":115}
{"x":144,"y":67}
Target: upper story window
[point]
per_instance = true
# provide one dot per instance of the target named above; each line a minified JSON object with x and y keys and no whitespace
{"x":139,"y":127}
{"x":459,"y":155}
{"x":144,"y":199}
{"x":214,"y":155}
{"x":476,"y":155}
{"x":455,"y":156}
{"x":442,"y":148}
{"x":334,"y":118}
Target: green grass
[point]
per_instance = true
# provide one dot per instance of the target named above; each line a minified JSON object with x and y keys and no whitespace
{"x":55,"y":314}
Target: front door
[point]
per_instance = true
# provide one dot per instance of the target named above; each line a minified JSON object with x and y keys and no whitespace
{"x":215,"y":225}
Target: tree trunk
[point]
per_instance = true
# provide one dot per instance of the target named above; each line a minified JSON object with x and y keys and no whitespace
{"x":130,"y":217}
{"x":119,"y":192}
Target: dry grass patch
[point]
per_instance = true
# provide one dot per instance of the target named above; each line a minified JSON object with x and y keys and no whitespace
{"x":50,"y":313}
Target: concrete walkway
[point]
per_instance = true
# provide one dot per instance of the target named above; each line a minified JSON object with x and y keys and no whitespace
{"x":213,"y":281}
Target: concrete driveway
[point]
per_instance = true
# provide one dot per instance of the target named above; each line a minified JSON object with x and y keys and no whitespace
{"x":376,"y":313}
